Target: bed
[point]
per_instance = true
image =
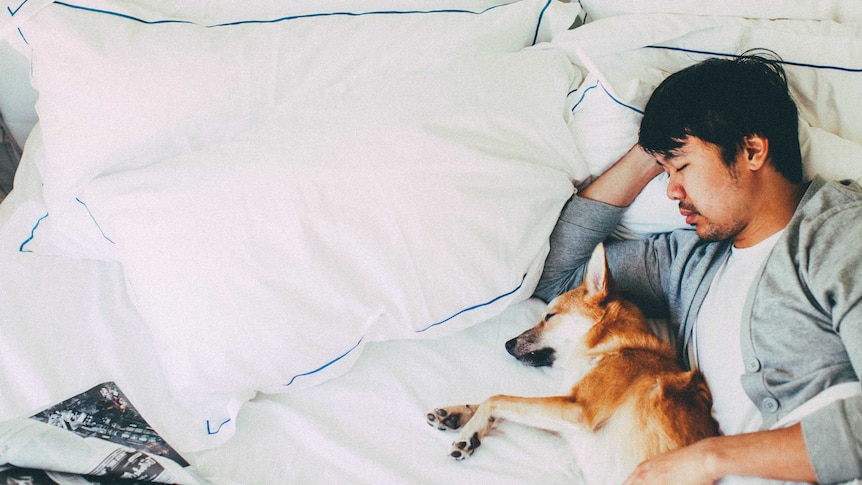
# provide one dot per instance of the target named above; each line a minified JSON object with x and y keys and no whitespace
{"x":286,"y":230}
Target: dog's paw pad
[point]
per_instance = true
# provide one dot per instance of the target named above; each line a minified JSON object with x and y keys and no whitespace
{"x":464,"y":448}
{"x":449,"y":418}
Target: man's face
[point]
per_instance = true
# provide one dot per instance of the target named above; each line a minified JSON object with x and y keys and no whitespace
{"x":712,"y":196}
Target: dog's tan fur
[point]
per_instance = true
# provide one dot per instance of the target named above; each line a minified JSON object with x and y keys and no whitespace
{"x":629,"y":398}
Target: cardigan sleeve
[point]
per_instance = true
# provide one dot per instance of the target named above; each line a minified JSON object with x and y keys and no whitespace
{"x":582,"y":225}
{"x":833,"y":435}
{"x":639,"y":266}
{"x":833,"y":440}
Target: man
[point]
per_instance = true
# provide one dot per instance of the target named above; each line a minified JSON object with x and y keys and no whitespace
{"x":766,"y":292}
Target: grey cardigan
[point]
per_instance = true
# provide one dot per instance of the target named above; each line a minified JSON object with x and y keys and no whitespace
{"x":802,"y":325}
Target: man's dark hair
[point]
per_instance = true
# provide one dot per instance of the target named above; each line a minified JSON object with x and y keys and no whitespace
{"x":721,"y":101}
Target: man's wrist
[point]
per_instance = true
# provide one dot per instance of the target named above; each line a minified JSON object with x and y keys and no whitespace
{"x":639,"y":161}
{"x":713,"y":457}
{"x":622,"y":183}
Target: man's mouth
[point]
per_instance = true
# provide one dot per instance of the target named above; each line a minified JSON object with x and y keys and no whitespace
{"x":689,"y":214}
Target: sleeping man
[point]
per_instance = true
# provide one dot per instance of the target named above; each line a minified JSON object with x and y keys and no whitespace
{"x":765,"y":294}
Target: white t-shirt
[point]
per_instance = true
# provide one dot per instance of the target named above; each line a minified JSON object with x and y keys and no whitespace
{"x":718,"y":352}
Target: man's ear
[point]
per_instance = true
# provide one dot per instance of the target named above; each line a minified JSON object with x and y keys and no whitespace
{"x":755,"y":149}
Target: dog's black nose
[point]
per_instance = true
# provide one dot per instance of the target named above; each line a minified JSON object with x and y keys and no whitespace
{"x":510,"y":346}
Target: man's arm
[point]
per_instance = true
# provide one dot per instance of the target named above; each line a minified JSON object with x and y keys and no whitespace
{"x":833,"y":434}
{"x":621,"y":184}
{"x":776,"y":454}
{"x":589,"y":218}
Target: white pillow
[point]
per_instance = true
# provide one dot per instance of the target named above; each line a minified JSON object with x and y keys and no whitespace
{"x":119,"y":90}
{"x":627,"y":57}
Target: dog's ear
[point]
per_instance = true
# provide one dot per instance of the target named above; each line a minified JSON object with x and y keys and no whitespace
{"x":596,"y":280}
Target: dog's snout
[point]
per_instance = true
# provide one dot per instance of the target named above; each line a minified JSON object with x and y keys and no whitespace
{"x":510,"y":346}
{"x":524,"y":348}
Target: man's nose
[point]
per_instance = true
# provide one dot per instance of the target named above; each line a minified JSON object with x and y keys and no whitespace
{"x":674,"y":189}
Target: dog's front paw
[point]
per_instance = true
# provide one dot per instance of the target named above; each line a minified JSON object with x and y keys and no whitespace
{"x":450,"y":418}
{"x":464,"y":448}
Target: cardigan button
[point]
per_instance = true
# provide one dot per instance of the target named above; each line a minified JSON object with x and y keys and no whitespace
{"x":752,"y":365}
{"x":769,"y":405}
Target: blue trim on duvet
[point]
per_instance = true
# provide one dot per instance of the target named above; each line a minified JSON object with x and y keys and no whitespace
{"x":474,"y":307}
{"x":583,"y":94}
{"x":122,"y":15}
{"x":301,"y":16}
{"x":539,"y":21}
{"x":324,"y":366}
{"x":32,"y":235}
{"x":220,"y":426}
{"x":598,"y":84}
{"x":345,"y":354}
{"x":13,"y":12}
{"x":99,"y":227}
{"x":724,"y":54}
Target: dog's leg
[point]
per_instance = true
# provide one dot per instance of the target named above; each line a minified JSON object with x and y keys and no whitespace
{"x":451,"y":417}
{"x":550,"y":413}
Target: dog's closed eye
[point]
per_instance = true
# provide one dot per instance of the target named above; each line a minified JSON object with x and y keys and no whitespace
{"x":549,"y":316}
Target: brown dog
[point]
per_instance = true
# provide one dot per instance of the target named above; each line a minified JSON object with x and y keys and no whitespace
{"x":629,"y":399}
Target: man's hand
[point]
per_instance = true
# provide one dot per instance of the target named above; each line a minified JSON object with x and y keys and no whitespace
{"x":778,"y":454}
{"x":622,"y":183}
{"x":690,"y":465}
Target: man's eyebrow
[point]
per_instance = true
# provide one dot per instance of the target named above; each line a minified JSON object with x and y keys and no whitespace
{"x":668,"y":157}
{"x":673,"y":154}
